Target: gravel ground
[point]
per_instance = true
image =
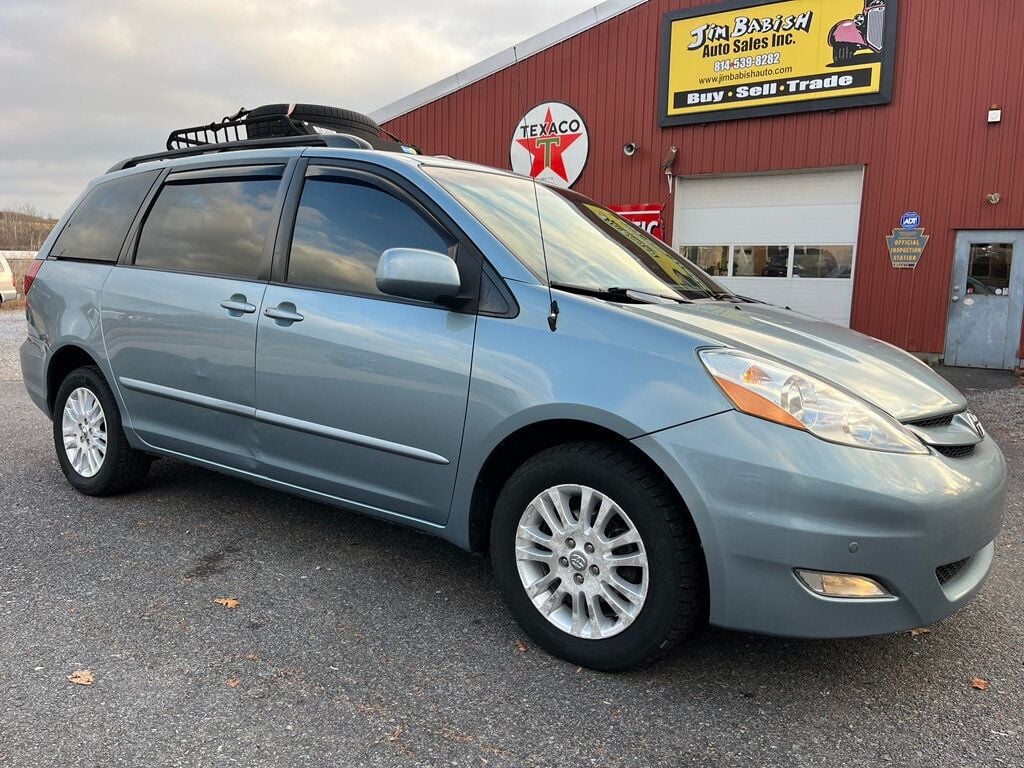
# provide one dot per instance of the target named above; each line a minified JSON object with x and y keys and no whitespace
{"x":360,"y":643}
{"x":12,"y":333}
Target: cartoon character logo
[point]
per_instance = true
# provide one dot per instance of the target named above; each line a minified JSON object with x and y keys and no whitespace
{"x":866,"y":31}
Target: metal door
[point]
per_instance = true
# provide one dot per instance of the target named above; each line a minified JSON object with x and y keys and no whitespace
{"x":987,"y":300}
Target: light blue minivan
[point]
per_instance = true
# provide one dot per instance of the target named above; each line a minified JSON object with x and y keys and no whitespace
{"x":513,"y":368}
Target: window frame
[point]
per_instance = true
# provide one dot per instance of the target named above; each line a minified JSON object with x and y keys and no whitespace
{"x":467,"y":257}
{"x":262,"y":169}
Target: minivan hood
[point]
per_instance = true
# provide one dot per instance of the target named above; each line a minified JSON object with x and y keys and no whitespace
{"x":885,"y":376}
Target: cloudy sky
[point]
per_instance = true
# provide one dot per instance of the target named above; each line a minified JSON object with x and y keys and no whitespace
{"x":84,"y":83}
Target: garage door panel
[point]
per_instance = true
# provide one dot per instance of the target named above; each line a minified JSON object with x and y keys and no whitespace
{"x":788,"y":189}
{"x":773,"y":225}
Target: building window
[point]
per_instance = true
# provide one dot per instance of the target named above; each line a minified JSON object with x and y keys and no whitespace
{"x":713,"y":259}
{"x":988,"y":271}
{"x":834,"y":262}
{"x":760,"y":261}
{"x":823,"y":261}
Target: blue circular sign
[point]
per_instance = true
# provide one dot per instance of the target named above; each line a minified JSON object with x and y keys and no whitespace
{"x":910,"y":220}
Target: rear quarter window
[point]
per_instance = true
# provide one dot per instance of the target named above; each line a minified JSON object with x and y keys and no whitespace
{"x":98,"y":227}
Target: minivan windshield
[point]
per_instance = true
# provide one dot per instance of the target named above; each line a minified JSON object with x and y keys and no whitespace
{"x":587,"y":246}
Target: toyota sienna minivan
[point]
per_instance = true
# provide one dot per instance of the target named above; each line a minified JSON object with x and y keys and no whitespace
{"x":516,"y":369}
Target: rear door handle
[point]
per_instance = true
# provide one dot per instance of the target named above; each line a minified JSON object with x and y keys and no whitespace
{"x":238,"y":304}
{"x":284,"y":312}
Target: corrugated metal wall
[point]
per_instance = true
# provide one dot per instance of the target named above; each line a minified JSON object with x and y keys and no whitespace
{"x":931,"y":150}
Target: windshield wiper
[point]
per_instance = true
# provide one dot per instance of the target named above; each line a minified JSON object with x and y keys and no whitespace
{"x":633,"y":295}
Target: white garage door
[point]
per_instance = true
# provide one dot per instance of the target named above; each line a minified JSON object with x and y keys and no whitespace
{"x":789,"y":239}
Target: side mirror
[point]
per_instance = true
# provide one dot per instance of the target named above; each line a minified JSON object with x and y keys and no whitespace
{"x":412,"y":273}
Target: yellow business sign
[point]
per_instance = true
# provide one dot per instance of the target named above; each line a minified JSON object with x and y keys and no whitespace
{"x":750,"y":59}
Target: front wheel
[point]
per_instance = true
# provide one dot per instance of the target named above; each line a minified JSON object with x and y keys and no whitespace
{"x":596,"y":557}
{"x":92,"y":448}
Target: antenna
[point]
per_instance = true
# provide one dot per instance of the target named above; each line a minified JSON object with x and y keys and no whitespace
{"x":553,"y":314}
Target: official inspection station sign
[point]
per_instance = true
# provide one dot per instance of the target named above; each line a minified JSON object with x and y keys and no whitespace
{"x":744,"y":58}
{"x":907,"y":243}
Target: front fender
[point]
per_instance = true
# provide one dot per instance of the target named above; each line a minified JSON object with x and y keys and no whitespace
{"x":604,"y":366}
{"x":846,"y":32}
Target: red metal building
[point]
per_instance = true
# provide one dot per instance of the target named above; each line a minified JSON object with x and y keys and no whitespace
{"x":945,"y":146}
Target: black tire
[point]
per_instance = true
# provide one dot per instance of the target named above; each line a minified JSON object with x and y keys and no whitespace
{"x":843,"y":53}
{"x":676,"y":598}
{"x":341,"y":120}
{"x":123,"y":468}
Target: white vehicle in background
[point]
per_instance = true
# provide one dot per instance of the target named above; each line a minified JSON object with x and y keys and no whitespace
{"x":8,"y":292}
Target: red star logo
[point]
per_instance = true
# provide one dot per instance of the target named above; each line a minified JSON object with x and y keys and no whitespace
{"x":547,"y":150}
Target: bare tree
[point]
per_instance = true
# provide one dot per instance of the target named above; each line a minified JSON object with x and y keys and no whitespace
{"x":23,"y":228}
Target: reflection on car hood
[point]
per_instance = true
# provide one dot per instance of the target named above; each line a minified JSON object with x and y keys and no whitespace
{"x":883,"y":375}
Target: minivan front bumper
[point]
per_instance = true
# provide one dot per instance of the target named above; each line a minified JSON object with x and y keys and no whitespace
{"x":768,"y":500}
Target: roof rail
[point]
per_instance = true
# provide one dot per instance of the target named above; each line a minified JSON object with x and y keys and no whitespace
{"x":339,"y":140}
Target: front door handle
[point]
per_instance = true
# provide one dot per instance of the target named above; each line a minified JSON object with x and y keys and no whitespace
{"x":284,"y":313}
{"x":237,"y":305}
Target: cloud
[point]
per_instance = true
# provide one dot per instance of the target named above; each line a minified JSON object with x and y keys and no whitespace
{"x":88,"y":83}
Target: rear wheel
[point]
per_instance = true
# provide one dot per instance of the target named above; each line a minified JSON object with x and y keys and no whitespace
{"x":92,"y":448}
{"x":596,"y":558}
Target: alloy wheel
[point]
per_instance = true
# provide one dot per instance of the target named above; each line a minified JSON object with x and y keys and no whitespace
{"x":582,"y":561}
{"x":84,"y":427}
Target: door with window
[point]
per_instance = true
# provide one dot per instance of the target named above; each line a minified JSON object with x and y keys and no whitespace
{"x":180,"y":312}
{"x":361,"y":396}
{"x":987,"y":300}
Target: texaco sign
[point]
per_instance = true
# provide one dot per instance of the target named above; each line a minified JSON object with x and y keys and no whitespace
{"x":551,"y":144}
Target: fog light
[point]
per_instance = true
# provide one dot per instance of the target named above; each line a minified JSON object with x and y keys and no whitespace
{"x":842,"y":585}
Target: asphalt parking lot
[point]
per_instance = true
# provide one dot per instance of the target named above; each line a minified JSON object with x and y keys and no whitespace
{"x":355,"y":642}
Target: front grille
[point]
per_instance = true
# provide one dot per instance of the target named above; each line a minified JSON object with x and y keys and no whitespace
{"x":946,"y":573}
{"x":876,"y":27}
{"x":934,"y":421}
{"x":954,"y":451}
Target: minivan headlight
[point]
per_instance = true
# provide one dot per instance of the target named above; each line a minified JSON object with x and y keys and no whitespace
{"x":775,"y":392}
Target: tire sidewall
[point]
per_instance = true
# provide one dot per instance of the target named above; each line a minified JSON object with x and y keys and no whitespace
{"x":90,"y":379}
{"x":666,"y":574}
{"x":342,"y":120}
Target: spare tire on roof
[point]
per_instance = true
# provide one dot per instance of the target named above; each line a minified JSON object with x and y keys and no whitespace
{"x":332,"y":118}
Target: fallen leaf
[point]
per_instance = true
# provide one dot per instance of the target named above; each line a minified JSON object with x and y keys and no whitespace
{"x":228,"y":602}
{"x":920,"y":631}
{"x":521,"y":646}
{"x":979,"y":683}
{"x":233,"y":682}
{"x":81,"y":677}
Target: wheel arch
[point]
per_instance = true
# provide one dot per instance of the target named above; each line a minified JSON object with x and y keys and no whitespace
{"x":62,"y":362}
{"x":529,"y":440}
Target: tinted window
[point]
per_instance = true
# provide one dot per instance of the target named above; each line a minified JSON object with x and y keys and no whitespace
{"x":213,"y":227}
{"x":343,"y":227}
{"x":98,"y":227}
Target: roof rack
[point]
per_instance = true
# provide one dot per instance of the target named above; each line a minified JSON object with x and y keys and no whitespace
{"x":232,"y":133}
